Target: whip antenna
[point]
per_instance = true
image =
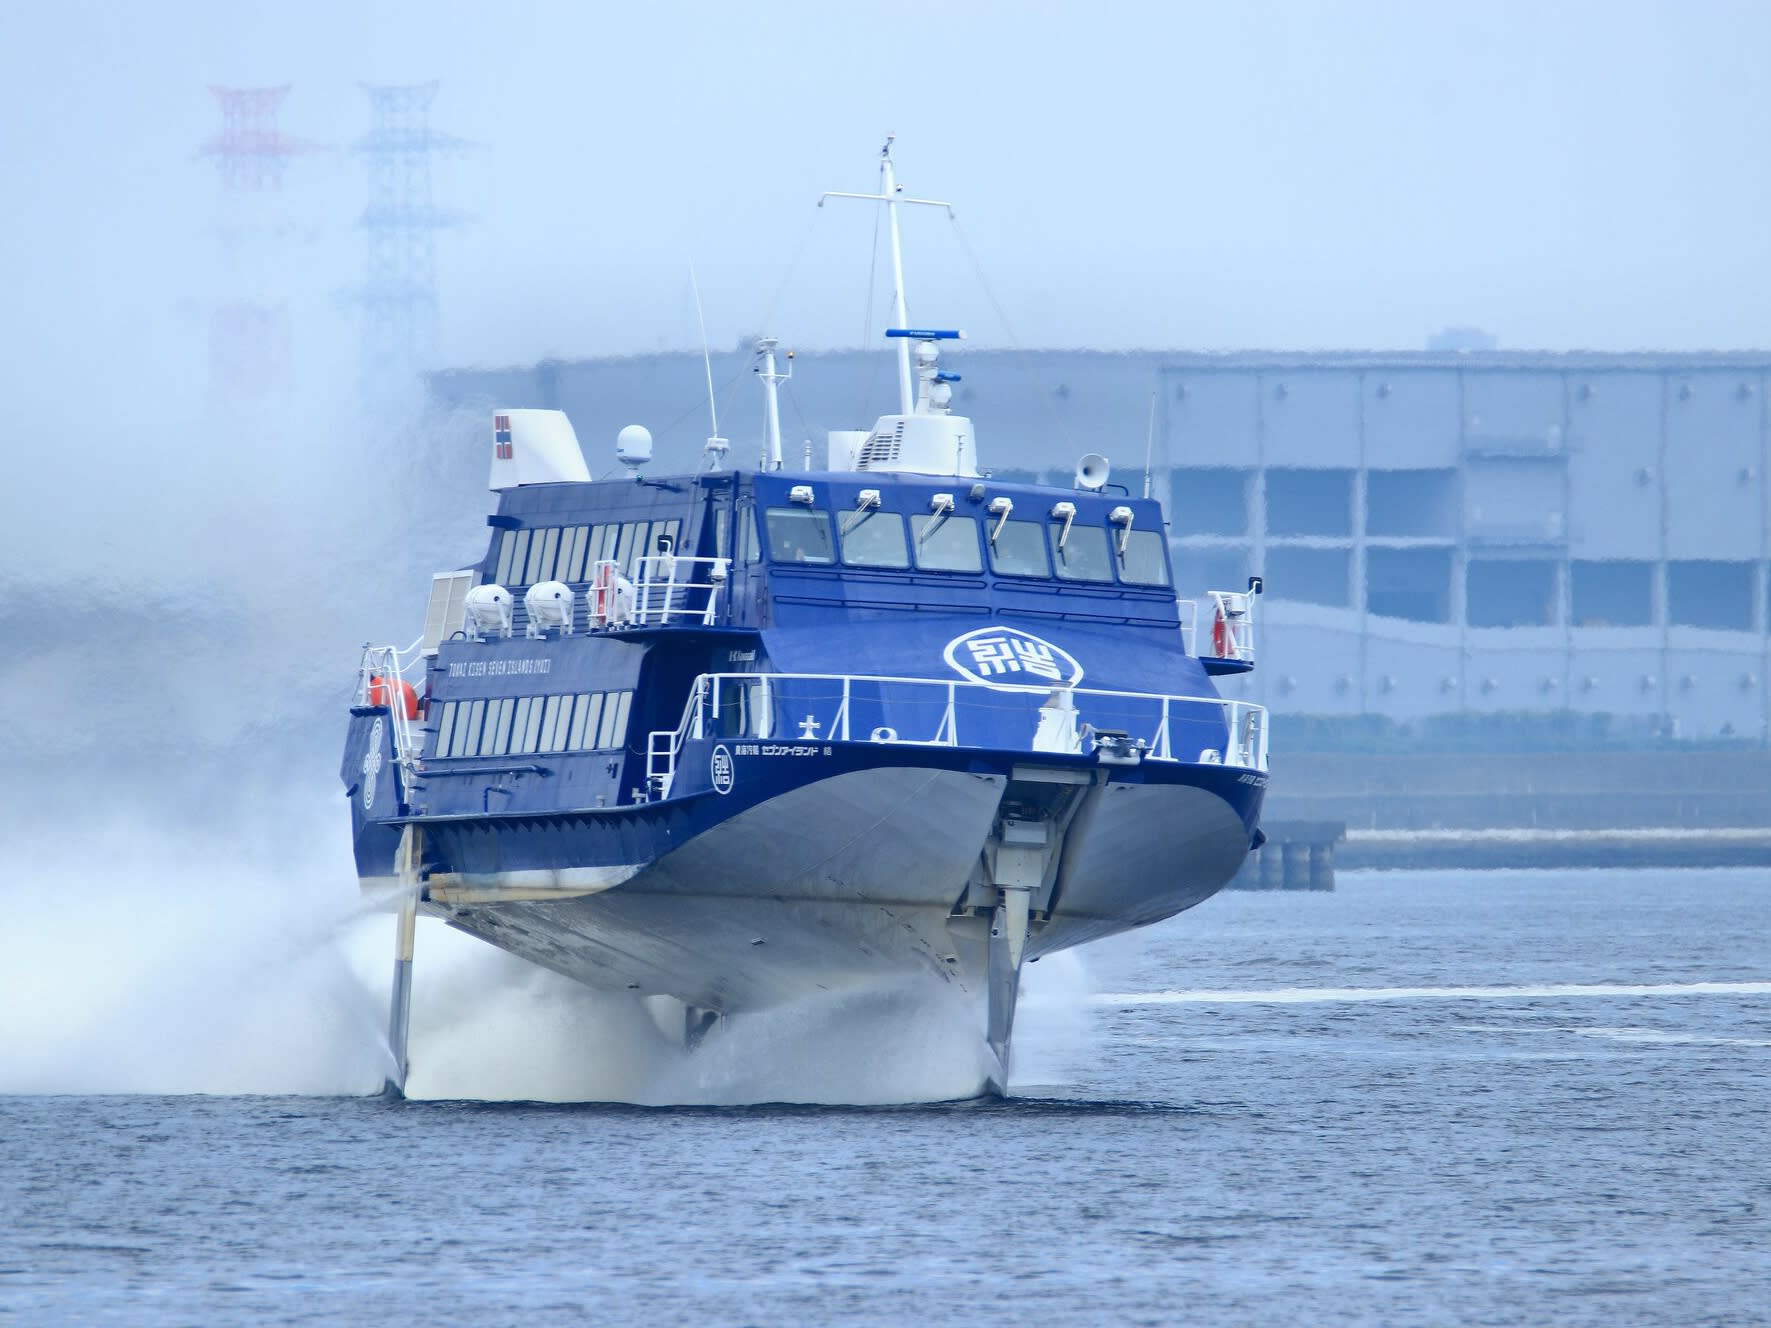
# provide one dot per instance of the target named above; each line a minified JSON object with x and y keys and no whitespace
{"x":715,"y":450}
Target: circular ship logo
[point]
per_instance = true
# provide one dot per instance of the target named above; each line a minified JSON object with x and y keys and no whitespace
{"x":372,"y":765}
{"x":1009,"y":657}
{"x":722,"y":769}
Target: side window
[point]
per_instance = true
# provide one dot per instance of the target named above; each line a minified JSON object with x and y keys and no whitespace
{"x":572,"y":553}
{"x":584,"y":721}
{"x":525,"y":725}
{"x":1019,"y":549}
{"x":550,"y":552}
{"x":445,"y":726}
{"x":497,"y":739}
{"x":550,"y":721}
{"x":799,"y":535}
{"x":624,"y":548}
{"x":946,"y":543}
{"x":532,"y":571}
{"x":1084,"y":554}
{"x":613,"y":730}
{"x":465,"y":740}
{"x":1143,"y":563}
{"x":749,"y":550}
{"x":603,"y":548}
{"x":874,"y":539}
{"x":513,"y":557}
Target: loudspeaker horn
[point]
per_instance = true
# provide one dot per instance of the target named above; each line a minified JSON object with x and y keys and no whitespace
{"x":1092,"y":471}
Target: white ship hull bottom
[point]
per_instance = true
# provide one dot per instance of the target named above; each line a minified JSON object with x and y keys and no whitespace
{"x":854,"y":879}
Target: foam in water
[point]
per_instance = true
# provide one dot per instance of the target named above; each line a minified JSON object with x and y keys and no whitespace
{"x":488,"y":1026}
{"x":138,"y":960}
{"x":225,"y":958}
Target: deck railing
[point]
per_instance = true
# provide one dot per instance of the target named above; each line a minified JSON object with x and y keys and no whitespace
{"x":1118,"y":726}
{"x":379,"y":679}
{"x":668,"y":588}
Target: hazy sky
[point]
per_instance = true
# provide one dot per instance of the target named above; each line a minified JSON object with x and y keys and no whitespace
{"x":1128,"y":174}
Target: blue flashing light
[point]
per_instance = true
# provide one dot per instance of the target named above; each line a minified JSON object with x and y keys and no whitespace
{"x":923,"y":334}
{"x":945,"y":377}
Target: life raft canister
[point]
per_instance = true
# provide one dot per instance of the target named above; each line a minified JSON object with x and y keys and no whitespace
{"x":381,"y":693}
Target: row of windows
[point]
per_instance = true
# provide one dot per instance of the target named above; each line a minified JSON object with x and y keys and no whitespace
{"x":946,"y":542}
{"x":519,"y":725}
{"x":1398,"y":503}
{"x":571,"y":553}
{"x":1504,"y":592}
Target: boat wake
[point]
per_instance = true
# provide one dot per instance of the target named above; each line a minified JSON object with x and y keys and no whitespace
{"x":1321,"y":995}
{"x":489,"y":1027}
{"x":156,"y":959}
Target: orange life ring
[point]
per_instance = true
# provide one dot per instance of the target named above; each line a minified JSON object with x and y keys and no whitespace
{"x":1221,"y":641}
{"x":381,"y":693}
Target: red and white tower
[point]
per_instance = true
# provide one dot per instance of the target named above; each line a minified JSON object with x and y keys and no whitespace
{"x":250,"y":341}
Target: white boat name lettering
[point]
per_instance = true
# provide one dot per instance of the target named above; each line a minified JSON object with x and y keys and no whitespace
{"x":778,"y":749}
{"x":499,"y":668}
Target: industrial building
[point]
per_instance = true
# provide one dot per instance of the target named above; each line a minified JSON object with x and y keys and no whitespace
{"x":1505,"y":534}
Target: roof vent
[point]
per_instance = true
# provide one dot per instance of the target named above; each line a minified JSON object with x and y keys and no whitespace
{"x":882,"y":449}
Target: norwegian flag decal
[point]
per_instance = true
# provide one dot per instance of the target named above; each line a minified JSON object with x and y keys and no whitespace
{"x":501,"y":437}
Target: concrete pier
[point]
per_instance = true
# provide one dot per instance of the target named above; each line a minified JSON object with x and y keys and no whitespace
{"x":1298,"y":855}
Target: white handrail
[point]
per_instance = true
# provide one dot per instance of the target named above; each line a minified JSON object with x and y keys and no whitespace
{"x":1244,"y":741}
{"x":671,"y":587}
{"x":383,"y":663}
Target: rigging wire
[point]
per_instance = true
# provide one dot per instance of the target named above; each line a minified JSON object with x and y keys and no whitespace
{"x":867,"y":329}
{"x":804,"y":424}
{"x":1029,"y":367}
{"x":799,"y":251}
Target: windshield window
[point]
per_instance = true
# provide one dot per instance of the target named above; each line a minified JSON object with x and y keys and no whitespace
{"x":1085,"y":556}
{"x":874,"y":539}
{"x":1019,"y":550}
{"x":800,"y":535}
{"x":1143,"y":563}
{"x":947,"y":543}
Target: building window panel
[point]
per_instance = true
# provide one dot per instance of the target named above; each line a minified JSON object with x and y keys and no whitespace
{"x":1310,"y":502}
{"x":1420,"y":504}
{"x":1409,"y":583}
{"x":1314,"y":576}
{"x":1213,"y":569}
{"x":1705,"y":593}
{"x":1209,"y":500}
{"x":1510,"y":593}
{"x":1612,"y":593}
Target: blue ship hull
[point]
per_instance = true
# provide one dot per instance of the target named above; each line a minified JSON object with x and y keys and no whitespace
{"x":822,"y":865}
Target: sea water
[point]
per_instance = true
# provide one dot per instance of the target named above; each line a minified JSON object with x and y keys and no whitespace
{"x":1500,"y":1098}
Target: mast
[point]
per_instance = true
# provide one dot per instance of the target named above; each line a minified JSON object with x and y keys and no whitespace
{"x":765,"y":347}
{"x":901,"y":315}
{"x":889,"y":191}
